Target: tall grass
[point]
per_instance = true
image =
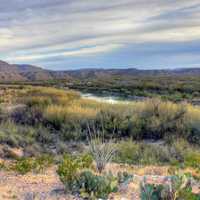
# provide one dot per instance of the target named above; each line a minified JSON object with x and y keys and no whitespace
{"x":150,"y":119}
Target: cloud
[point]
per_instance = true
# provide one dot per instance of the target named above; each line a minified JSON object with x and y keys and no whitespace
{"x":81,"y":52}
{"x":41,"y":30}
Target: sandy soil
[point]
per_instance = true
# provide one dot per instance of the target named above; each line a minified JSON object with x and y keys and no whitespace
{"x":46,"y":185}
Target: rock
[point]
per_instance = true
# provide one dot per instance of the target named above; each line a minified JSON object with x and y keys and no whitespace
{"x":1,"y":151}
{"x":15,"y":153}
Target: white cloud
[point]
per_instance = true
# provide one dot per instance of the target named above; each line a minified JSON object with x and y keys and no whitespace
{"x":35,"y":30}
{"x":80,"y":52}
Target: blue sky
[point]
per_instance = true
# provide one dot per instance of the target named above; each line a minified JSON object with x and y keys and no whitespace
{"x":71,"y":34}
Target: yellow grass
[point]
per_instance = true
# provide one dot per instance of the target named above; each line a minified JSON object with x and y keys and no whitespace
{"x":59,"y":103}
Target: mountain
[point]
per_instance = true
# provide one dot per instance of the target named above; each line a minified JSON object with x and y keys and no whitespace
{"x":34,"y":73}
{"x":27,"y":72}
{"x":9,"y":72}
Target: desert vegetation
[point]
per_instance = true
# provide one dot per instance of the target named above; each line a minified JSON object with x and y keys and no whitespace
{"x":173,"y":87}
{"x":55,"y":127}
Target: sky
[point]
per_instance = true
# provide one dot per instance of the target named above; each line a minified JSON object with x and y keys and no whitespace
{"x":73,"y":34}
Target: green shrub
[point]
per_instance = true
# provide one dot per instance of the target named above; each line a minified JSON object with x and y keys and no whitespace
{"x":16,"y":135}
{"x":179,"y":189}
{"x":38,"y":164}
{"x":192,"y":159}
{"x":179,"y":153}
{"x":150,"y":191}
{"x":69,"y":167}
{"x":24,"y":165}
{"x":124,"y":177}
{"x":92,"y":186}
{"x":140,"y":153}
{"x":43,"y":162}
{"x":86,"y":160}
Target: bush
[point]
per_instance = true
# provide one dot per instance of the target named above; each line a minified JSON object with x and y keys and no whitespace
{"x":69,"y":167}
{"x":141,"y":153}
{"x":192,"y":159}
{"x":179,"y":189}
{"x":28,"y":116}
{"x":16,"y":135}
{"x":38,"y":164}
{"x":101,"y":150}
{"x":24,"y":166}
{"x":157,"y":119}
{"x":85,"y":183}
{"x":151,"y":192}
{"x":92,"y":186}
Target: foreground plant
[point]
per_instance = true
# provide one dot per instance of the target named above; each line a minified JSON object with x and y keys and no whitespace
{"x":91,"y":186}
{"x":37,"y":164}
{"x":150,"y":191}
{"x":69,"y":167}
{"x":102,"y":151}
{"x":179,"y":189}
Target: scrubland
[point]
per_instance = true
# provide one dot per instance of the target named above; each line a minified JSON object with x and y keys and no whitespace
{"x":48,"y":123}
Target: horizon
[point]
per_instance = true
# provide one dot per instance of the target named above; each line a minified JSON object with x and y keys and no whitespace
{"x":119,"y":34}
{"x":114,"y":68}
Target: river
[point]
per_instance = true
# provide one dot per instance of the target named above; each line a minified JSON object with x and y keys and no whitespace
{"x":105,"y":99}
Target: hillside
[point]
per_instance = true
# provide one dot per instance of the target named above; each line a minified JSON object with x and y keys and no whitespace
{"x":10,"y":72}
{"x":27,"y":72}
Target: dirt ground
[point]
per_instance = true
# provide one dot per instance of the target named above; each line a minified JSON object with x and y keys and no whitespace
{"x":46,"y":185}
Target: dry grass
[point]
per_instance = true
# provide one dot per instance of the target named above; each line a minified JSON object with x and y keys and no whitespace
{"x":61,"y":101}
{"x":63,"y":105}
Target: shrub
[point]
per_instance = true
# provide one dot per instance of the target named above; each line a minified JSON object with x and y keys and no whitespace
{"x":41,"y":101}
{"x":192,"y":159}
{"x":69,"y":167}
{"x":67,"y":171}
{"x":94,"y":187}
{"x":150,"y":191}
{"x":124,"y":177}
{"x":102,"y":151}
{"x":38,"y":164}
{"x":28,"y":116}
{"x":24,"y":165}
{"x":44,"y":136}
{"x":157,"y":119}
{"x":140,"y":153}
{"x":16,"y":135}
{"x":179,"y":189}
{"x":86,"y":160}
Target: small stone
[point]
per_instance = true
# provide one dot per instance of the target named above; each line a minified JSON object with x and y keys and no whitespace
{"x":13,"y":152}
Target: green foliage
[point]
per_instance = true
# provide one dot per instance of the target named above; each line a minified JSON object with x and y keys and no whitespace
{"x":85,"y":183}
{"x":102,"y":151}
{"x":124,"y":177}
{"x":178,"y":153}
{"x":69,"y":167}
{"x":92,"y":186}
{"x":55,"y":116}
{"x":16,"y":135}
{"x":38,"y":164}
{"x":192,"y":159}
{"x":173,"y":88}
{"x":86,"y":161}
{"x":179,"y":189}
{"x":140,"y":153}
{"x":24,"y":165}
{"x":151,"y":192}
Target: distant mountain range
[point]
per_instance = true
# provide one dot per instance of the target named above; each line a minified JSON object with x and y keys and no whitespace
{"x":12,"y":72}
